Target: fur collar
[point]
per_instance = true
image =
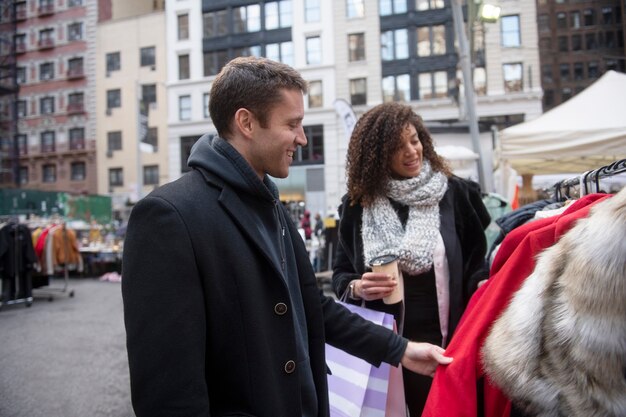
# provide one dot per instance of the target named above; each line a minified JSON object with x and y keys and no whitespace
{"x":559,"y":349}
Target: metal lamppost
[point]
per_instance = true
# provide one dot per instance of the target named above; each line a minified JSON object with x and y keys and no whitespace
{"x":470,"y":96}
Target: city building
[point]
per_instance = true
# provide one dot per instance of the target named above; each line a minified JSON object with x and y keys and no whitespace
{"x":578,"y":42}
{"x":130,"y":102}
{"x":362,"y":52}
{"x":54,"y":44}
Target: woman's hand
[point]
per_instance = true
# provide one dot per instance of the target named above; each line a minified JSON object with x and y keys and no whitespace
{"x":374,"y":286}
{"x":424,"y":358}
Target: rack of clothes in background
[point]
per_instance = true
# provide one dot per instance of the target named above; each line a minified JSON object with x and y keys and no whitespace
{"x":56,"y":248}
{"x":17,"y":262}
{"x":550,"y":313}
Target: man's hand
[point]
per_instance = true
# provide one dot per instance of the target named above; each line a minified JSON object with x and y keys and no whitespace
{"x":423,"y":358}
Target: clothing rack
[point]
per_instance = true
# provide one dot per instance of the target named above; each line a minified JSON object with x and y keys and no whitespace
{"x":19,"y":286}
{"x":589,"y":182}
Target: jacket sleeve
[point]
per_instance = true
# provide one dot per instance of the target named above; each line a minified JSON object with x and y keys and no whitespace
{"x":344,"y":269}
{"x":164,"y":314}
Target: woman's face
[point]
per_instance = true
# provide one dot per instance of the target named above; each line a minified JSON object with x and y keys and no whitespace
{"x":406,"y":162}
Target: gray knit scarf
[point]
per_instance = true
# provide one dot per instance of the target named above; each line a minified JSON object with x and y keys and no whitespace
{"x":383,"y":233}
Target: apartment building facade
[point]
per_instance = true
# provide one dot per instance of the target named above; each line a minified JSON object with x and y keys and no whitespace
{"x":131,"y":106}
{"x":54,"y":45}
{"x":362,"y":52}
{"x":578,"y":41}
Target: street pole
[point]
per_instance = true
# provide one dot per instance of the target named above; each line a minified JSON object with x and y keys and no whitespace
{"x":470,"y":95}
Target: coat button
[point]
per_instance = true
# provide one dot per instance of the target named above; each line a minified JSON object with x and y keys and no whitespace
{"x":280,"y":308}
{"x":290,"y":366}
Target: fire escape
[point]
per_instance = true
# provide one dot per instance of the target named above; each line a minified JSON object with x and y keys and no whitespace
{"x":9,"y":156}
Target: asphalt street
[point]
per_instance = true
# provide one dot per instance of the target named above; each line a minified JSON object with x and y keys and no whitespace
{"x":66,"y":357}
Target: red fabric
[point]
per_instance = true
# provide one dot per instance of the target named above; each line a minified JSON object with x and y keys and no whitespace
{"x":41,"y":241}
{"x":453,"y":392}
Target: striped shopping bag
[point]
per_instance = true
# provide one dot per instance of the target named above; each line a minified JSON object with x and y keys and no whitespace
{"x":358,"y":389}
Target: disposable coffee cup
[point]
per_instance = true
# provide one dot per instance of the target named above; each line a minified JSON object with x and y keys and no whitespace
{"x":388,"y":264}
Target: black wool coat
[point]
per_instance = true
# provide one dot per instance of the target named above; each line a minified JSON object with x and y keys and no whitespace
{"x":464,"y":218}
{"x":207,"y":312}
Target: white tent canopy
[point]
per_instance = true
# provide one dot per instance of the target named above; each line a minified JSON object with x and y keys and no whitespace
{"x":586,"y":132}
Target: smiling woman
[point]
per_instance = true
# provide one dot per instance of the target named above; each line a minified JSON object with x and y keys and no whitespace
{"x":403,"y":200}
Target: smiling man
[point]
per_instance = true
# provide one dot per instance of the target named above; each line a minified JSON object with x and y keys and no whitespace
{"x":222,"y":311}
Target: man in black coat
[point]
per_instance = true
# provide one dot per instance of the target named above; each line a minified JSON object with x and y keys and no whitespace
{"x":222,"y":311}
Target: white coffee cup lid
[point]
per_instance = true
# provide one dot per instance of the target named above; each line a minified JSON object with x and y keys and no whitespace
{"x":382,"y":260}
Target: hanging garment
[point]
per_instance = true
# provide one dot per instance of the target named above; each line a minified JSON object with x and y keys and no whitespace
{"x":454,"y":390}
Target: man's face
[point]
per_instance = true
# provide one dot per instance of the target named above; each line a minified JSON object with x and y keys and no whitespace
{"x":275,"y":145}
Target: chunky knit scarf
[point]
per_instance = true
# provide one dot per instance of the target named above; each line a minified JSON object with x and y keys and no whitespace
{"x":414,"y":244}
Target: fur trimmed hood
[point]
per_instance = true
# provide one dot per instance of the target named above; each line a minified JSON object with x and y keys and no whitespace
{"x":559,"y":349}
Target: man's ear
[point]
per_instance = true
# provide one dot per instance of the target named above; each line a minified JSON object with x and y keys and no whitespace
{"x":244,"y":121}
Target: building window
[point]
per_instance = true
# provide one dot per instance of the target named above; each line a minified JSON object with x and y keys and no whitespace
{"x":577,"y":42}
{"x":22,"y":108}
{"x":247,"y":19}
{"x":77,"y":138}
{"x":546,"y":74}
{"x":563,"y":42}
{"x":46,"y":71}
{"x":49,"y":173}
{"x":543,"y":23}
{"x":46,"y":38}
{"x":354,"y":9}
{"x":20,"y":75}
{"x":152,"y":139}
{"x":22,"y":145}
{"x":151,"y":175}
{"x":20,"y":10}
{"x":20,"y":42}
{"x":389,"y":7}
{"x":592,"y":70}
{"x":429,"y":4}
{"x":607,"y":15}
{"x":278,"y":14}
{"x":589,"y":16}
{"x":75,"y":103}
{"x":254,"y":50}
{"x":186,"y":143}
{"x":114,"y":141}
{"x":46,"y":105}
{"x":316,"y":97}
{"x":433,"y":85}
{"x":574,"y":20}
{"x":312,"y":11}
{"x":215,"y":23}
{"x":313,"y":50}
{"x":356,"y":47}
{"x":183,"y":67}
{"x":114,"y":98}
{"x":147,"y":56}
{"x":47,"y":141}
{"x":214,"y":61}
{"x":113,"y":61}
{"x":566,"y":94}
{"x":590,"y":41}
{"x":397,"y":88}
{"x":78,"y":171}
{"x":579,"y":71}
{"x":184,"y":108}
{"x":512,"y":77}
{"x":480,"y":81}
{"x":561,"y":20}
{"x":313,"y":152}
{"x":431,"y":40}
{"x":394,"y":44}
{"x":74,"y":3}
{"x":23,"y":175}
{"x":282,"y":52}
{"x":75,"y":31}
{"x":510,"y":31}
{"x":116,"y":177}
{"x":609,"y":39}
{"x":205,"y":106}
{"x":564,"y":72}
{"x":148,"y":93}
{"x":548,"y":98}
{"x":75,"y":67}
{"x":183,"y":26}
{"x":358,"y":91}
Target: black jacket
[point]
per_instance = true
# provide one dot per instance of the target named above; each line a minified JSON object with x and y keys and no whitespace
{"x":463,"y":221}
{"x":209,"y":317}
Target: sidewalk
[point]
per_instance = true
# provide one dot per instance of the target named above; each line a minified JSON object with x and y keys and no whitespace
{"x":66,"y":357}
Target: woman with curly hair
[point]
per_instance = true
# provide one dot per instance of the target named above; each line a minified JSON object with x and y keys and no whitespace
{"x":403,"y":200}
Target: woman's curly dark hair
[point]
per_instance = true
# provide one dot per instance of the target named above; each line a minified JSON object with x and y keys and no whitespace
{"x":374,"y":140}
